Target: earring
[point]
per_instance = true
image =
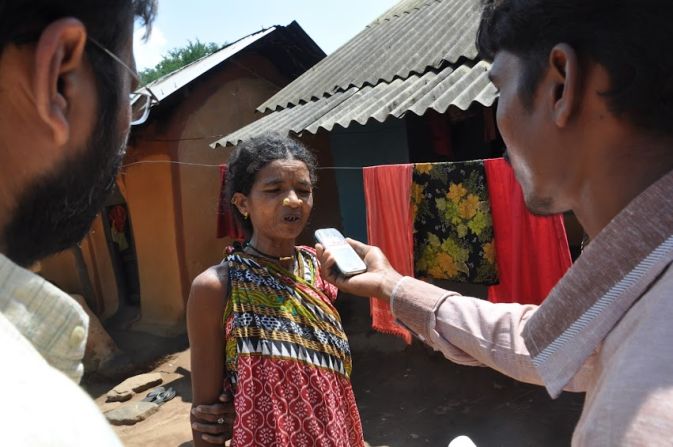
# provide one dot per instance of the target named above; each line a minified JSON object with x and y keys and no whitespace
{"x":245,"y":215}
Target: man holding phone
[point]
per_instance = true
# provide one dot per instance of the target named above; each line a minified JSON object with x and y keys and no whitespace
{"x":585,"y":109}
{"x":347,"y":261}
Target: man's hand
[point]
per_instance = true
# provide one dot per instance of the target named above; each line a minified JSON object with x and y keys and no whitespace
{"x":215,"y":421}
{"x":377,"y":281}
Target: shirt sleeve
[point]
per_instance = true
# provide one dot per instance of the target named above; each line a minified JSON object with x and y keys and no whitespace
{"x":472,"y":331}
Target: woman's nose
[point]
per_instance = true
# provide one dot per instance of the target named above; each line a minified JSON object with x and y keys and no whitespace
{"x":292,"y":200}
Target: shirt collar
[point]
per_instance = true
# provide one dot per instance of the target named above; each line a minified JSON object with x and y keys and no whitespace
{"x":610,"y":275}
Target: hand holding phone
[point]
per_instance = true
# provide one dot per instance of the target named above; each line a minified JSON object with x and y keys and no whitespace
{"x":347,"y":261}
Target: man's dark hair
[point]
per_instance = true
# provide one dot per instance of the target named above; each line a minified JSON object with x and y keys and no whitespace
{"x":632,"y":39}
{"x":22,"y":21}
{"x":254,"y":154}
{"x":56,"y":210}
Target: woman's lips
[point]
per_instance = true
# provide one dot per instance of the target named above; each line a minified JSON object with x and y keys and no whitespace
{"x":292,"y":218}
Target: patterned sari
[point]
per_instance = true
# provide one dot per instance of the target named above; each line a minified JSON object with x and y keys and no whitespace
{"x":287,"y":356}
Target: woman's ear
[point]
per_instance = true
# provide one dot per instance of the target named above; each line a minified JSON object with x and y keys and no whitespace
{"x":240,"y":201}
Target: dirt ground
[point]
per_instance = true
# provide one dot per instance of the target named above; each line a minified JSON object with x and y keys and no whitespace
{"x":407,"y":395}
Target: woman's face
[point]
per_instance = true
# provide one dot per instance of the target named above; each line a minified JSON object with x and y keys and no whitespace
{"x":280,"y":201}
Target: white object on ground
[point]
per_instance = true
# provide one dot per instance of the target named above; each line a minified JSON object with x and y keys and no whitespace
{"x":462,"y":441}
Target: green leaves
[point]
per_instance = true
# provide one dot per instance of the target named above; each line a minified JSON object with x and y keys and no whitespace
{"x":178,"y":58}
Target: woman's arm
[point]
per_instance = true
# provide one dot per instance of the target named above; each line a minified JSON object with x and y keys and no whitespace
{"x":205,"y":312}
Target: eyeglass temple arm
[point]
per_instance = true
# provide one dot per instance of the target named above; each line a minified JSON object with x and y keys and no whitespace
{"x":152,"y":95}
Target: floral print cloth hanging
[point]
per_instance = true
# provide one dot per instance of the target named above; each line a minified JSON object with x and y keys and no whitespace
{"x":453,"y":227}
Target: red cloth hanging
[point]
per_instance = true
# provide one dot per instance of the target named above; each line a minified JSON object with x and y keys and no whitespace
{"x":531,"y":251}
{"x":389,"y":226}
{"x":117,"y":215}
{"x":227,"y":225}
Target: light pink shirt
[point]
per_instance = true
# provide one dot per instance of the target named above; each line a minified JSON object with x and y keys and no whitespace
{"x":606,"y":329}
{"x":628,"y":381}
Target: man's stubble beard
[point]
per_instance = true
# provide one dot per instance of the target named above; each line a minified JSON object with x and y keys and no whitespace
{"x":57,"y":209}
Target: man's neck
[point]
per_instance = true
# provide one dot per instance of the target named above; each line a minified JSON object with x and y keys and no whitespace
{"x":613,"y":183}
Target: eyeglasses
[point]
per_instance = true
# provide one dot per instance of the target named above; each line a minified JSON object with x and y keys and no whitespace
{"x":140,"y":100}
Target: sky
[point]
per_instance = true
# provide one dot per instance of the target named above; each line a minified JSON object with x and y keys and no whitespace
{"x":330,"y":23}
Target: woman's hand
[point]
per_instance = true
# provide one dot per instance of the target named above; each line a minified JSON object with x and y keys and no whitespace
{"x":378,"y":281}
{"x":215,"y":422}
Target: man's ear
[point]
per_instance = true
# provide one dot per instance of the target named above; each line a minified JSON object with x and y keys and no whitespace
{"x":564,"y":87}
{"x":59,"y":66}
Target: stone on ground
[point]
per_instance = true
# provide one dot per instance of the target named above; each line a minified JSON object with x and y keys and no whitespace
{"x":131,"y":413}
{"x":135,"y":384}
{"x":117,"y":396}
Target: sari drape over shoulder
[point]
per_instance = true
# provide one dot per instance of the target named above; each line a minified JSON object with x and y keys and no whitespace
{"x":287,"y":357}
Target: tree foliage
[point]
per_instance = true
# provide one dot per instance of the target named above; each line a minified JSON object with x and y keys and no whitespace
{"x":178,"y":58}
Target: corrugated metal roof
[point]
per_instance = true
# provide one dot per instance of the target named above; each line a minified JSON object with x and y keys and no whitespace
{"x":294,"y":119}
{"x":410,"y":38}
{"x":402,"y":7}
{"x":172,"y":82}
{"x":433,"y":90}
{"x":418,"y":55}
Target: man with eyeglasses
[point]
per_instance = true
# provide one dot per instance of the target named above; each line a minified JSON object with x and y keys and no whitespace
{"x":140,"y":100}
{"x":65,"y":78}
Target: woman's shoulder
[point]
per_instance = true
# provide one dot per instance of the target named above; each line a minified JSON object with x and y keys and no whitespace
{"x":213,"y":278}
{"x":234,"y":255}
{"x":232,"y":250}
{"x":209,"y":289}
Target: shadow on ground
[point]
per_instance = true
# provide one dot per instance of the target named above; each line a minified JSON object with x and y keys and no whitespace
{"x":412,"y":396}
{"x":407,"y":395}
{"x":417,"y":398}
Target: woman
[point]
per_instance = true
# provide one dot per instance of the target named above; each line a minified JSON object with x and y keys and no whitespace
{"x":263,"y":319}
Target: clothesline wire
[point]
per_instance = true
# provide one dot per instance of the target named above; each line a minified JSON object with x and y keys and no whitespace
{"x":206,"y":165}
{"x":175,"y":140}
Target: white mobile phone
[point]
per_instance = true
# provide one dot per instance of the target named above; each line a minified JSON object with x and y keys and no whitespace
{"x":348,"y":262}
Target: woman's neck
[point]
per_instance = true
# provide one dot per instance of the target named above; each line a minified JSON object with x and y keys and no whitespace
{"x":270,"y":248}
